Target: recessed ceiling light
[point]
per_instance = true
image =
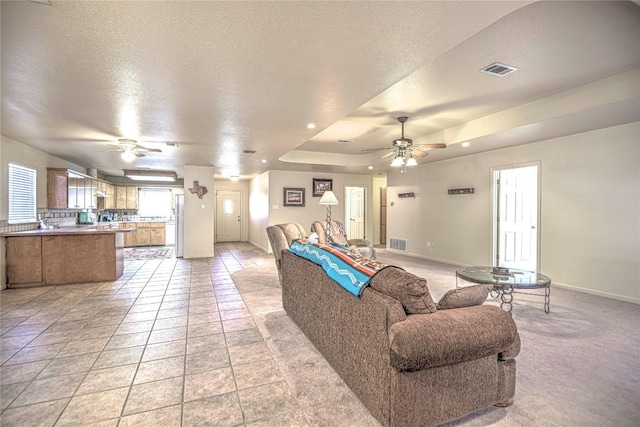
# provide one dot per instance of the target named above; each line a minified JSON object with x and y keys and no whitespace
{"x":466,"y":144}
{"x":370,"y":167}
{"x":311,"y":126}
{"x":264,"y":160}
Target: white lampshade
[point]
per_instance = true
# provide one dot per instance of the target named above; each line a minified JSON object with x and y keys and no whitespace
{"x":128,"y":156}
{"x":328,"y":198}
{"x":411,"y":161}
{"x":397,"y":162}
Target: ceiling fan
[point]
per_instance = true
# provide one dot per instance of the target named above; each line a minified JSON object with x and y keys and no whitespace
{"x":404,"y":151}
{"x":130,"y":149}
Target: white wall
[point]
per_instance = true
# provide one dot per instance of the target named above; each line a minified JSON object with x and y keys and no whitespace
{"x":12,"y":151}
{"x":259,"y":210}
{"x":243,"y":188}
{"x":199,"y":214}
{"x":379,"y":181}
{"x":313,"y":211}
{"x":590,"y":209}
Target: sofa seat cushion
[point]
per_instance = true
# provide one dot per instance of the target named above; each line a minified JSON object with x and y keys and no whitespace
{"x":451,"y":336}
{"x":410,"y":290}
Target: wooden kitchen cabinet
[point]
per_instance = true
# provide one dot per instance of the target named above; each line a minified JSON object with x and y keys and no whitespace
{"x":132,"y":198}
{"x":121,"y":197}
{"x":142,"y":235}
{"x":91,"y":193}
{"x":126,"y":197}
{"x":130,"y":238}
{"x":24,"y":260}
{"x":67,"y":189}
{"x":110,"y":199}
{"x":157,"y":236}
{"x":57,"y":192}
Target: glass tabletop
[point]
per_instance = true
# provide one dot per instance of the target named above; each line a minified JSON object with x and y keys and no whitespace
{"x":515,"y":277}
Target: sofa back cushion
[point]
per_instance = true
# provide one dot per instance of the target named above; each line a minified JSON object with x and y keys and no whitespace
{"x":292,"y":231}
{"x":410,"y":290}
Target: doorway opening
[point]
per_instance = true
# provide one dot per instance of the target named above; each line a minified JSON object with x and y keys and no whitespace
{"x":355,"y":198}
{"x":228,"y":216}
{"x":515,"y":219}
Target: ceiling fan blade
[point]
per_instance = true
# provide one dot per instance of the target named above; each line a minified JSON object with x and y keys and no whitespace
{"x":153,"y":150}
{"x":389,"y":154}
{"x":431,"y":146}
{"x":419,"y":153}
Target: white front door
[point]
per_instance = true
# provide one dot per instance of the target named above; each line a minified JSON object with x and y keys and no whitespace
{"x":516,"y":217}
{"x":228,"y":218}
{"x":354,"y":212}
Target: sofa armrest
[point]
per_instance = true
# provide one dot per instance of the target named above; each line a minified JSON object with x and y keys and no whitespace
{"x":512,"y":351}
{"x":358,"y":242}
{"x":447,"y":337}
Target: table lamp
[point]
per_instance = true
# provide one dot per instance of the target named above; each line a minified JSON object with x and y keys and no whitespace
{"x":329,"y":199}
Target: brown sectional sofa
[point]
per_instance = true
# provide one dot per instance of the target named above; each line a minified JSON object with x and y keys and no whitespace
{"x":408,"y":369}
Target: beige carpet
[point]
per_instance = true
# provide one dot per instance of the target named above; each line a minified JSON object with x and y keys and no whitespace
{"x":579,"y":365}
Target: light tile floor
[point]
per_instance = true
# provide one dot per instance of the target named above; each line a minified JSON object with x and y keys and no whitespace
{"x":171,"y":343}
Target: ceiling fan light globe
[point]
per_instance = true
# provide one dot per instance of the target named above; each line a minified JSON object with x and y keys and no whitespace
{"x":128,"y":156}
{"x":411,"y":162}
{"x":397,"y":162}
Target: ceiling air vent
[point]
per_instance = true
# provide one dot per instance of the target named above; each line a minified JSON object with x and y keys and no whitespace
{"x":249,"y":151}
{"x":345,"y":141}
{"x":498,"y":69}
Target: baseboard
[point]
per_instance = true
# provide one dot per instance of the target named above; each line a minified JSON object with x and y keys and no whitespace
{"x":596,"y":292}
{"x":428,"y":258}
{"x":553,"y":282}
{"x":258,"y":246}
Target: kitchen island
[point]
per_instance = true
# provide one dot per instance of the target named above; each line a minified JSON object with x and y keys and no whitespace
{"x":64,"y":255}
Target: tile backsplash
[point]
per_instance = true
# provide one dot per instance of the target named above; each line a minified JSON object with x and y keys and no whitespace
{"x":56,"y":218}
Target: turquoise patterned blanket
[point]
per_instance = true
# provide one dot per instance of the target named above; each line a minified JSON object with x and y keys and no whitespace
{"x":349,"y":269}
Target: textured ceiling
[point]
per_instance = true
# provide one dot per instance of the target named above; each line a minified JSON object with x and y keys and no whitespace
{"x":219,"y":78}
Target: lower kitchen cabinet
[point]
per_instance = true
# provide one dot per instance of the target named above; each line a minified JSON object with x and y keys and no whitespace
{"x":24,"y":260}
{"x":147,"y":234}
{"x":50,"y":257}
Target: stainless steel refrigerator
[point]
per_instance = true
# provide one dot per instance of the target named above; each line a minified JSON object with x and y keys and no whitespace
{"x":179,"y":225}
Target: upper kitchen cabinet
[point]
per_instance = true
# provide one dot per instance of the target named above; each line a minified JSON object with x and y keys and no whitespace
{"x":132,"y":197}
{"x":65,"y":189}
{"x":57,"y":192}
{"x":126,"y":197}
{"x":90,"y":193}
{"x":106,"y":195}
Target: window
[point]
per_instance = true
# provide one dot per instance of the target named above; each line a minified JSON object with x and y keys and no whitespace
{"x":154,"y":202}
{"x":22,"y":194}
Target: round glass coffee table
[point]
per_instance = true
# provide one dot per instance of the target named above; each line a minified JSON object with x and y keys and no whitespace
{"x":504,"y":282}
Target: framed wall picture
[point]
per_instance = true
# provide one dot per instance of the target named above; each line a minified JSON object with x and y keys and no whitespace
{"x":294,"y":196}
{"x":321,"y":185}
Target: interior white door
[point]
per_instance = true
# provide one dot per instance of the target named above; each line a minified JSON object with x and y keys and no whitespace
{"x":228,"y":216}
{"x":355,"y":202}
{"x":516,"y":221}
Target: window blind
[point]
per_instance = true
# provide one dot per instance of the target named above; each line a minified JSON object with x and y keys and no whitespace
{"x":22,"y":194}
{"x":154,"y":202}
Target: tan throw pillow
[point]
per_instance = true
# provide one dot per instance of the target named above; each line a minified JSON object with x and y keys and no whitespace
{"x":410,"y":290}
{"x":464,"y":297}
